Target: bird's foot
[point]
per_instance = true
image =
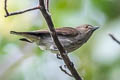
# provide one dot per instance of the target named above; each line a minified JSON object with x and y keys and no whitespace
{"x":59,"y":56}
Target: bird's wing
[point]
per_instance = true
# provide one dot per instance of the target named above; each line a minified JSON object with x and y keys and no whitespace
{"x":65,"y":31}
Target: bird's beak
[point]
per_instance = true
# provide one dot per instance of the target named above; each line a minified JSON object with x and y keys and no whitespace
{"x":95,"y":28}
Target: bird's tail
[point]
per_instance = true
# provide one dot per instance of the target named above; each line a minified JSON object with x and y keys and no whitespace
{"x":16,"y":33}
{"x":25,"y":34}
{"x":28,"y":35}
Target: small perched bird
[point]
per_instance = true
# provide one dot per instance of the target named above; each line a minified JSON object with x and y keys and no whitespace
{"x":70,"y":38}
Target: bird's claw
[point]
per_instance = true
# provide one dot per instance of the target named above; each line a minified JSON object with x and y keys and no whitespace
{"x":59,"y":56}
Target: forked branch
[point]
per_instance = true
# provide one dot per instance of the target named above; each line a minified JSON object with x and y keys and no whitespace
{"x":65,"y":71}
{"x":18,"y":12}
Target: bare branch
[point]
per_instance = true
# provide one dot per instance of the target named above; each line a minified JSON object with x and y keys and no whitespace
{"x":19,"y":12}
{"x":63,"y":53}
{"x":5,"y":7}
{"x":116,"y":40}
{"x":65,"y":71}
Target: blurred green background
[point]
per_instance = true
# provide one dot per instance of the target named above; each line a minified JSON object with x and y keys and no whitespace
{"x":98,"y":59}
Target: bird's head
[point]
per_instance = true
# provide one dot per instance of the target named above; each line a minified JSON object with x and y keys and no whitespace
{"x":86,"y":30}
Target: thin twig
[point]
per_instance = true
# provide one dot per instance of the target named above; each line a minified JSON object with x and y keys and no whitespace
{"x":113,"y":37}
{"x":65,"y":71}
{"x":5,"y":7}
{"x":20,"y":12}
{"x":63,"y":53}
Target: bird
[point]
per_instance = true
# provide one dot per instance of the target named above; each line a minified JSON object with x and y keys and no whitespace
{"x":70,"y":38}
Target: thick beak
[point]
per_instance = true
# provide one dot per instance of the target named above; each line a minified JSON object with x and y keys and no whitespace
{"x":95,"y":28}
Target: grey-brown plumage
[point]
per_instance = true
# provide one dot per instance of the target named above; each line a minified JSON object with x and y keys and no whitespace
{"x":70,"y":38}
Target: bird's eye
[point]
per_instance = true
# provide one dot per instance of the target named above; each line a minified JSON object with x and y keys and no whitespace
{"x":87,"y":26}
